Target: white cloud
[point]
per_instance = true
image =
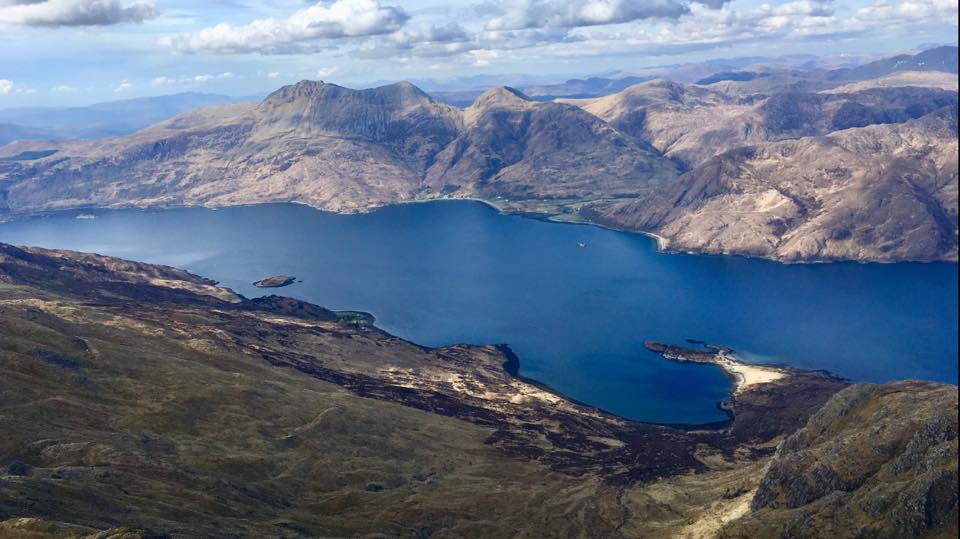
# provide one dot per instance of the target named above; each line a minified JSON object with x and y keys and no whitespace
{"x":123,"y":86}
{"x":520,"y":14}
{"x":296,"y":33}
{"x":910,"y":10}
{"x":74,"y":12}
{"x":273,"y":74}
{"x":196,"y":79}
{"x":326,"y":71}
{"x":8,"y":87}
{"x":455,"y":41}
{"x":483,"y":57}
{"x":63,"y":89}
{"x":796,"y":20}
{"x":434,"y":33}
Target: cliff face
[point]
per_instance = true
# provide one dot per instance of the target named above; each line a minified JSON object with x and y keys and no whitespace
{"x":875,"y":461}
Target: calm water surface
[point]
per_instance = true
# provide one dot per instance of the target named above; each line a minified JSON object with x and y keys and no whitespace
{"x":448,"y":272}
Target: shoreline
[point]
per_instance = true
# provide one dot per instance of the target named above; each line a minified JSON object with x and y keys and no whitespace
{"x":662,"y":243}
{"x":745,"y":375}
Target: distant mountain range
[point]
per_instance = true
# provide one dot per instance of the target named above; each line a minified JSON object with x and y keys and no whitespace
{"x":100,"y":120}
{"x":795,"y":165}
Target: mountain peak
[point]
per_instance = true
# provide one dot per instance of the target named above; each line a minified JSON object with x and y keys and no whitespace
{"x":501,"y":96}
{"x":304,"y":89}
{"x":403,"y":91}
{"x":400,"y":93}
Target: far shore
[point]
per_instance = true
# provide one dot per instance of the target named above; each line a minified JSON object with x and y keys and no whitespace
{"x":662,"y":243}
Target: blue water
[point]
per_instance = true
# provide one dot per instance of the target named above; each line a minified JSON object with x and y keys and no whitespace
{"x":448,"y":272}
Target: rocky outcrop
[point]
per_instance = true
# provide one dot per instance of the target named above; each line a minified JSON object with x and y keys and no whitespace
{"x":875,"y":461}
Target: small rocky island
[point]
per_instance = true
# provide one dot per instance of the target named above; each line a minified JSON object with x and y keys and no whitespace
{"x":275,"y":281}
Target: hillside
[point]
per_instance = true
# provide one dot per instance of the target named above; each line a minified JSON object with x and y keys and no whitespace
{"x":145,"y":400}
{"x":883,"y":192}
{"x":859,"y":464}
{"x":691,"y":123}
{"x":943,"y":58}
{"x":862,"y":170}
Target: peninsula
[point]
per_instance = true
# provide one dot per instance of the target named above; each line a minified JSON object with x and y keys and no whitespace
{"x":744,"y":375}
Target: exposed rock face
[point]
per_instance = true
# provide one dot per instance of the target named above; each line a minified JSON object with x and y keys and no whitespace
{"x":691,"y":124}
{"x":515,"y":147}
{"x":875,"y":461}
{"x":883,"y":192}
{"x":399,"y":116}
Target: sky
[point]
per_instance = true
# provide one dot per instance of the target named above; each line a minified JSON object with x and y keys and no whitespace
{"x":68,"y":52}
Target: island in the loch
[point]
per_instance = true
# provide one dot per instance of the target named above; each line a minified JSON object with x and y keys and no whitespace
{"x":275,"y":281}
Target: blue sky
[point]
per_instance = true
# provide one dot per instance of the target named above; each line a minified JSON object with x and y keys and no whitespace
{"x":57,"y":52}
